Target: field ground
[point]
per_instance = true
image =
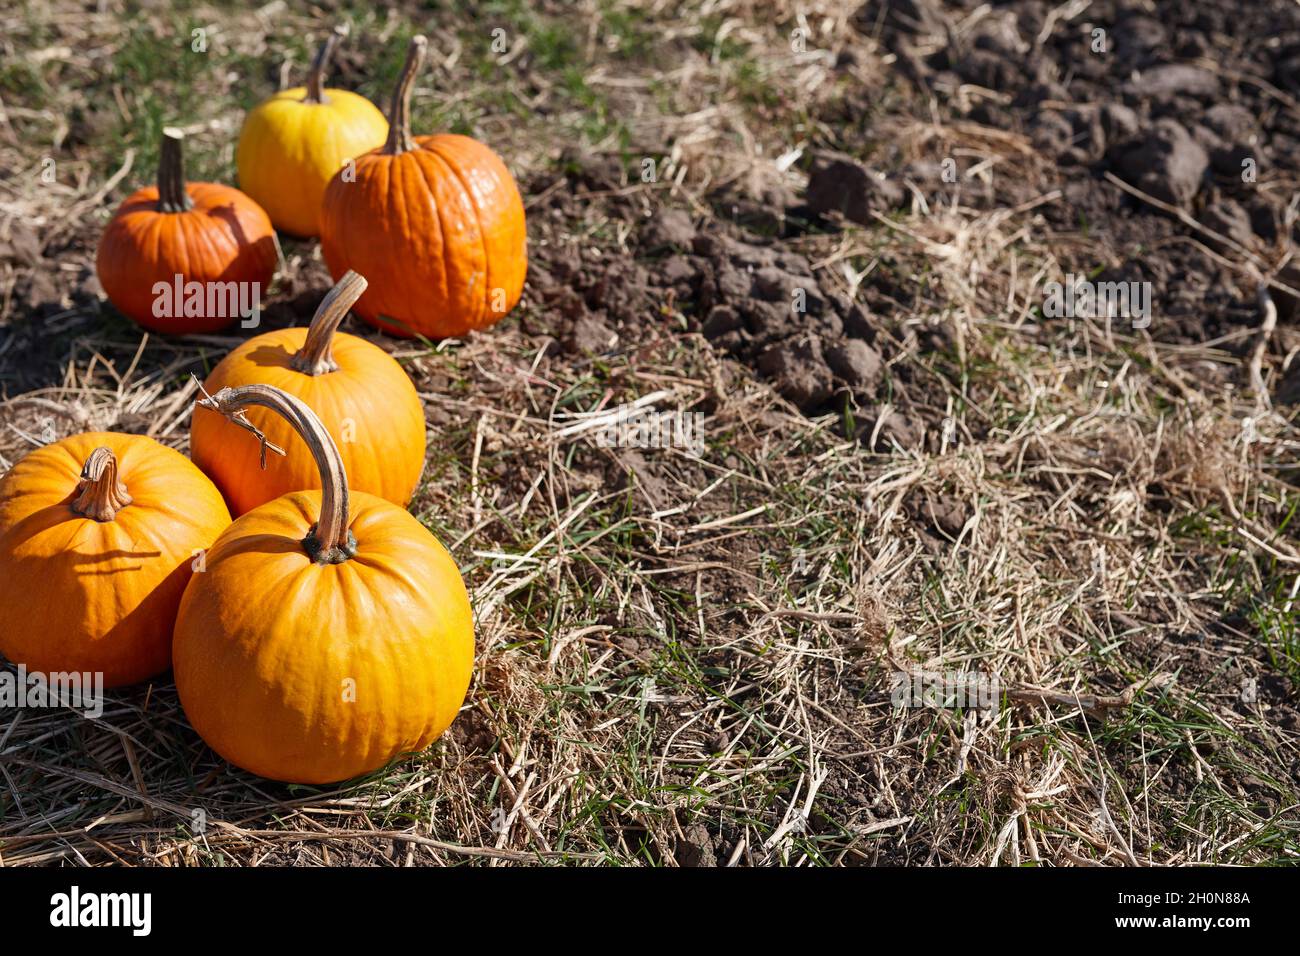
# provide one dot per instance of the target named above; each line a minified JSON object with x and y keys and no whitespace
{"x":688,"y":660}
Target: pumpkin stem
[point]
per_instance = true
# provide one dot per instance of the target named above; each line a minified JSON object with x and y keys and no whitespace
{"x":329,"y":541}
{"x":320,"y":65}
{"x":100,"y":493}
{"x":316,"y":356}
{"x":399,"y":114}
{"x":172,"y":196}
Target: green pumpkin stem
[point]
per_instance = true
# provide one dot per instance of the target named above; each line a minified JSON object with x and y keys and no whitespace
{"x":316,"y":357}
{"x":320,"y":65}
{"x":399,"y":113}
{"x":100,"y":493}
{"x":172,"y":196}
{"x":329,"y":541}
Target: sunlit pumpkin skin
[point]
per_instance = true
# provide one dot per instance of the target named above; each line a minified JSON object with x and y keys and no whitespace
{"x":80,"y":594}
{"x":292,"y":143}
{"x":204,"y":232}
{"x":358,"y":390}
{"x":329,"y":634}
{"x":435,"y":222}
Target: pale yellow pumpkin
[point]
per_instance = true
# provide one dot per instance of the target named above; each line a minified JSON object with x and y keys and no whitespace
{"x":294,"y":142}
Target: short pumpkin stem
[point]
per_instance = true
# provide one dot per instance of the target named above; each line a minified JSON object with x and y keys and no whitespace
{"x":172,"y":196}
{"x":321,"y":64}
{"x":100,"y":493}
{"x":399,"y":114}
{"x":329,"y":541}
{"x":316,"y":357}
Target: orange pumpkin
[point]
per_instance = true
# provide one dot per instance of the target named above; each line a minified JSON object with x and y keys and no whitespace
{"x":436,"y":223}
{"x":186,"y":258}
{"x":330,"y":632}
{"x":363,"y":396}
{"x":98,"y":536}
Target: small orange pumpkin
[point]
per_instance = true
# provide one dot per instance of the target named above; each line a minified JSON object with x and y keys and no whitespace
{"x":365,"y":399}
{"x":186,"y":258}
{"x":98,"y":536}
{"x":436,"y":223}
{"x":330,"y":632}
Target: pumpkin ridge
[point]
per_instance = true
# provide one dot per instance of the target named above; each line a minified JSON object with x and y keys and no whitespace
{"x":332,"y":142}
{"x":436,"y":211}
{"x":215,"y":242}
{"x":221,"y":240}
{"x":205,"y":245}
{"x":332,"y":405}
{"x":208,"y":238}
{"x":78,"y":528}
{"x":400,"y":655}
{"x":174,"y":241}
{"x":148,"y":240}
{"x":382,"y":561}
{"x":361,"y":362}
{"x":144,"y":531}
{"x":160,"y":227}
{"x":198,"y":244}
{"x":241,"y":257}
{"x":387,"y":186}
{"x":481,"y":301}
{"x":398,"y":176}
{"x":353,"y":194}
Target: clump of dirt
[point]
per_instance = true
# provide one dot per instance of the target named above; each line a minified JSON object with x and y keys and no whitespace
{"x":838,"y":183}
{"x":756,"y":298}
{"x":762,"y":305}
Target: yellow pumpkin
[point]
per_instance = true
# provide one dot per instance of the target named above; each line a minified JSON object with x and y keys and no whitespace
{"x":294,"y":142}
{"x":329,"y":633}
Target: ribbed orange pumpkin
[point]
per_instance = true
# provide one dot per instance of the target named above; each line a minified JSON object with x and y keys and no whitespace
{"x":435,"y":222}
{"x":98,"y":534}
{"x":329,"y":634}
{"x":185,"y":258}
{"x":365,"y":399}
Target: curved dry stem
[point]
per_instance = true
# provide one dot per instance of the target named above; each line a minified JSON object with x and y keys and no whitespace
{"x":320,"y":65}
{"x":399,"y":113}
{"x":172,"y":196}
{"x":329,"y":541}
{"x":316,"y":356}
{"x":100,"y":493}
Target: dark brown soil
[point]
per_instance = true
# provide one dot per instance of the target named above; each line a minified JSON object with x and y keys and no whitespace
{"x":1193,"y":103}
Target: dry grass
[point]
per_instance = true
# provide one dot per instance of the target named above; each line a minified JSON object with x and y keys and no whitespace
{"x":683,"y":660}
